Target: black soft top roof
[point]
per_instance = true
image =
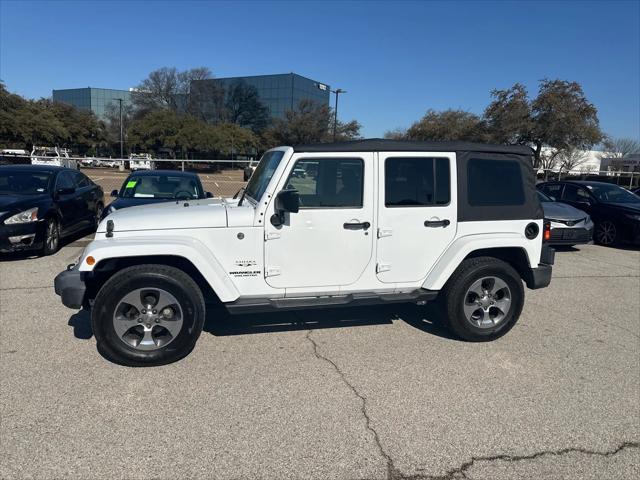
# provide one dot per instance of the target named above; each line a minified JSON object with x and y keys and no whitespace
{"x":385,"y":145}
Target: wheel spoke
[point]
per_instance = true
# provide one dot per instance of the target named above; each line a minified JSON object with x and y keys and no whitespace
{"x":133,"y":299}
{"x":470,"y":309}
{"x":147,"y":340}
{"x":172,"y":326}
{"x":123,"y":324}
{"x":476,"y":287}
{"x":164,"y":300}
{"x":498,"y":284}
{"x":503,"y":305}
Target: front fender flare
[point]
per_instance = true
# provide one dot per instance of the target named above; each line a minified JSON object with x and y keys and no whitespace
{"x":191,"y":249}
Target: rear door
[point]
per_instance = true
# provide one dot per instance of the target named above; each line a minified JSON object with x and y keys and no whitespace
{"x":69,"y":205}
{"x":417,"y":216}
{"x":86,"y":198}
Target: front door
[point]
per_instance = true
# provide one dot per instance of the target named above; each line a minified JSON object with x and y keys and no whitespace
{"x":417,"y":214}
{"x":329,"y":242}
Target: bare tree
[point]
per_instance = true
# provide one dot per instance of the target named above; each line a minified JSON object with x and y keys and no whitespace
{"x":167,"y":89}
{"x":620,"y":147}
{"x":548,"y":161}
{"x":570,"y":159}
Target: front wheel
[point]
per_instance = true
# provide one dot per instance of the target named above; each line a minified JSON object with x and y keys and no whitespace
{"x":483,"y":299}
{"x":51,"y":241}
{"x":148,"y":315}
{"x":606,"y":233}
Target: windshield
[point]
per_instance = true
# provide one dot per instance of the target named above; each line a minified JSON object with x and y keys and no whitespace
{"x":262,"y":176}
{"x":24,"y":183}
{"x":612,"y":194}
{"x":543,"y":198}
{"x":161,"y":186}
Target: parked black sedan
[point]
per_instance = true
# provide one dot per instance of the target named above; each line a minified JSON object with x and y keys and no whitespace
{"x":614,"y":210}
{"x":155,"y":186}
{"x":41,"y":204}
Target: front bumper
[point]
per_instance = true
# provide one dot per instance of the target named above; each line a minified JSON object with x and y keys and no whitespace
{"x":71,"y":288}
{"x":21,"y":236}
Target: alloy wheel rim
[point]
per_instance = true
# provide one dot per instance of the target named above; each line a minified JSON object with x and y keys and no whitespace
{"x":487,"y":302}
{"x":606,"y":233}
{"x":52,"y":235}
{"x":148,"y":318}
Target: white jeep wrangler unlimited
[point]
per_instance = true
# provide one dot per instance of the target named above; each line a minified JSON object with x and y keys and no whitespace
{"x":356,"y":223}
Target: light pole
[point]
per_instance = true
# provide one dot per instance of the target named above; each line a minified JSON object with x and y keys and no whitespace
{"x":337,"y":91}
{"x":121,"y":130}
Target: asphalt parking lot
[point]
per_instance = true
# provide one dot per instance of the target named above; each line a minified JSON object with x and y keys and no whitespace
{"x":353,"y":393}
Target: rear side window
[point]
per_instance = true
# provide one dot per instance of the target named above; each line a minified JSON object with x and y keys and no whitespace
{"x":575,"y":194}
{"x":494,"y":183}
{"x":328,"y":182}
{"x":552,"y":189}
{"x":81,"y":180}
{"x":416,"y":182}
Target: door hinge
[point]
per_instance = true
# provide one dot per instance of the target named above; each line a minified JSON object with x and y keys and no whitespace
{"x":272,"y":271}
{"x":383,"y":267}
{"x":384,"y":232}
{"x":271,"y":235}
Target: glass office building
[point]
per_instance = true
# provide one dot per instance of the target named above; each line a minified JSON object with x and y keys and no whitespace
{"x":279,"y":93}
{"x":95,"y":100}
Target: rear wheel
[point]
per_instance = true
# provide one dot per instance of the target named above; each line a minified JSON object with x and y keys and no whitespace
{"x":148,"y":315}
{"x":606,"y":233}
{"x":483,"y":299}
{"x":51,"y":241}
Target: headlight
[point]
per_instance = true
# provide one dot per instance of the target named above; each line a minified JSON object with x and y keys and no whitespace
{"x":27,"y":216}
{"x":633,"y":216}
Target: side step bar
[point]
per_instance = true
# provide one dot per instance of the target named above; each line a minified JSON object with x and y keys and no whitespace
{"x":255,"y":305}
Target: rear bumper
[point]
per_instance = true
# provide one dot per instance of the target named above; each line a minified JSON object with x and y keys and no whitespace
{"x":71,"y":288}
{"x":540,"y":276}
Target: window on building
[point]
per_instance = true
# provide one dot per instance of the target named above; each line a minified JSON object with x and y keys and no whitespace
{"x":417,"y":181}
{"x":328,"y":182}
{"x":494,"y":182}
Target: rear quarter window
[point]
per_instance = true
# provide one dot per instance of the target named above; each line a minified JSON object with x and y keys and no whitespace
{"x":494,"y":183}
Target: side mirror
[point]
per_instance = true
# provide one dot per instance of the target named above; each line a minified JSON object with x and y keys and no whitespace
{"x":66,"y":191}
{"x":114,"y":193}
{"x":288,"y":201}
{"x":208,"y":194}
{"x":285,"y":201}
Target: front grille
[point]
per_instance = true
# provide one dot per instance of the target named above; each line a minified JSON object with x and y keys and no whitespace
{"x":569,"y":223}
{"x":571,"y":234}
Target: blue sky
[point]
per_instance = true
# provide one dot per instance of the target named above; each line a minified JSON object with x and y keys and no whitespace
{"x":395,"y":59}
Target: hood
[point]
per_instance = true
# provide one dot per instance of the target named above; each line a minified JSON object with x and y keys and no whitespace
{"x":121,"y":202}
{"x":17,"y":203}
{"x":562,"y":211}
{"x":206,"y":213}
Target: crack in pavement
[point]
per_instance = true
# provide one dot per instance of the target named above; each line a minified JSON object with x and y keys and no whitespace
{"x":392,"y":473}
{"x":460,"y":472}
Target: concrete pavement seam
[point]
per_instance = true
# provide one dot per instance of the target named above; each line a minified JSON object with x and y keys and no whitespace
{"x":391,"y":471}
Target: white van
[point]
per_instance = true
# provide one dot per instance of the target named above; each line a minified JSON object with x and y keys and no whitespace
{"x":141,"y":161}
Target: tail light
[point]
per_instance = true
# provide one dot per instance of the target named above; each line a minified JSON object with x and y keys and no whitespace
{"x":546,"y":231}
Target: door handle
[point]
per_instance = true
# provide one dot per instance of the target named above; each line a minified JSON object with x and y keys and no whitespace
{"x":436,"y":223}
{"x":356,"y":226}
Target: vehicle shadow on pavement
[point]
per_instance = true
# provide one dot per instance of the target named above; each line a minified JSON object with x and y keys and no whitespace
{"x":81,"y":323}
{"x":220,"y":323}
{"x":427,"y":319}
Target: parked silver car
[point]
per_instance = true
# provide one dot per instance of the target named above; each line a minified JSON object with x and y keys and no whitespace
{"x":569,"y":226}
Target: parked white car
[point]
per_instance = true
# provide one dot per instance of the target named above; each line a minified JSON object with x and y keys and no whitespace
{"x":377,"y":222}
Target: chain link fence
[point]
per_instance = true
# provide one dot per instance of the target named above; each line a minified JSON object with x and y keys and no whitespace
{"x":223,"y":178}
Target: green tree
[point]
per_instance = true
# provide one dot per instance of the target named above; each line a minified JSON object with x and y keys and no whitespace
{"x":559,"y":117}
{"x":448,"y":125}
{"x":309,"y":122}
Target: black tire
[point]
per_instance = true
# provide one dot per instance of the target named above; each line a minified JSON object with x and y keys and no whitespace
{"x":51,"y":239}
{"x":455,"y":293}
{"x":172,"y":280}
{"x":606,"y":233}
